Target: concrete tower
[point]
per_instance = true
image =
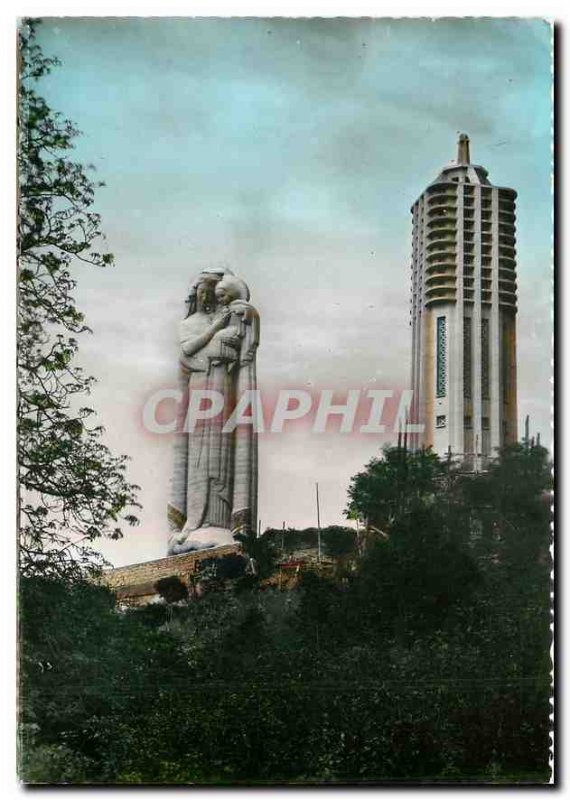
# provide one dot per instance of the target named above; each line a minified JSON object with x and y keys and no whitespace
{"x":463,"y":313}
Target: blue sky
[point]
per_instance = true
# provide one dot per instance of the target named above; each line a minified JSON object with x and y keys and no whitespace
{"x":292,"y":149}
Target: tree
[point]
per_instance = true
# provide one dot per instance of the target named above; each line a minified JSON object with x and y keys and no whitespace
{"x":73,"y":490}
{"x":430,"y":662}
{"x":172,"y":589}
{"x":338,"y":541}
{"x":390,"y":485}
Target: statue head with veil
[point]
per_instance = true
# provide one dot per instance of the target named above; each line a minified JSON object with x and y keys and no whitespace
{"x":213,"y":494}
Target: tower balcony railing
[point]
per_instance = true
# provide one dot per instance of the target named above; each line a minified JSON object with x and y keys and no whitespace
{"x":506,"y":207}
{"x":444,"y":221}
{"x":441,"y":241}
{"x":440,"y":278}
{"x":441,"y":233}
{"x":439,"y":292}
{"x":442,"y":201}
{"x":507,"y":251}
{"x":444,"y":227}
{"x":447,"y":254}
{"x":506,"y":217}
{"x":507,"y":274}
{"x":507,"y":284}
{"x":448,"y":220}
{"x":442,"y":186}
{"x":443,"y":211}
{"x":440,"y":266}
{"x":440,"y":282}
{"x":508,"y":232}
{"x":444,"y":296}
{"x":438,"y":188}
{"x":442,"y":196}
{"x":507,"y":291}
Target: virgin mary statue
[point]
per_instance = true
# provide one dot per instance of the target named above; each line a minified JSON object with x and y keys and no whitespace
{"x":213,"y":493}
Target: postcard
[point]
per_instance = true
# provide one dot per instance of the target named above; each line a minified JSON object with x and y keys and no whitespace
{"x":285,"y":313}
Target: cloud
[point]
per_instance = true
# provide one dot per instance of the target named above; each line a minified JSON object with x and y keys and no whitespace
{"x":292,"y":150}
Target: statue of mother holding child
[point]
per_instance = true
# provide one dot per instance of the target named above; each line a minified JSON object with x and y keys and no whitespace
{"x":213,"y":493}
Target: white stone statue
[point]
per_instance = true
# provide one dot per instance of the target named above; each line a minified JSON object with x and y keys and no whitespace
{"x":214,"y":483}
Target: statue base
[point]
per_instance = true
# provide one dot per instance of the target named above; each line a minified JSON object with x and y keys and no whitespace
{"x":206,"y":538}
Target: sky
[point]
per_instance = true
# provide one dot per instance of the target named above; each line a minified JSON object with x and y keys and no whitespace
{"x":291,"y":150}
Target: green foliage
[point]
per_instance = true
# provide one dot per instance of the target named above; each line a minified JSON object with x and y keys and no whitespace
{"x":225,"y":568}
{"x":337,"y":541}
{"x":389,"y":485}
{"x":171,"y":589}
{"x":88,"y":674}
{"x":72,"y":489}
{"x":262,"y":554}
{"x":429,"y":661}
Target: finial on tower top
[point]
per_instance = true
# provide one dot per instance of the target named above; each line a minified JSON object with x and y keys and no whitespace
{"x":463,"y":149}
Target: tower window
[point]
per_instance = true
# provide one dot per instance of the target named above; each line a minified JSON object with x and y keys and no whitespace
{"x":485,"y":423}
{"x":441,"y":365}
{"x":467,"y":375}
{"x":440,"y":421}
{"x":505,"y":364}
{"x":485,"y":359}
{"x":468,"y":422}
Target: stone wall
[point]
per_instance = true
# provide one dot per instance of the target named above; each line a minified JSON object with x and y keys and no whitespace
{"x":135,"y":583}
